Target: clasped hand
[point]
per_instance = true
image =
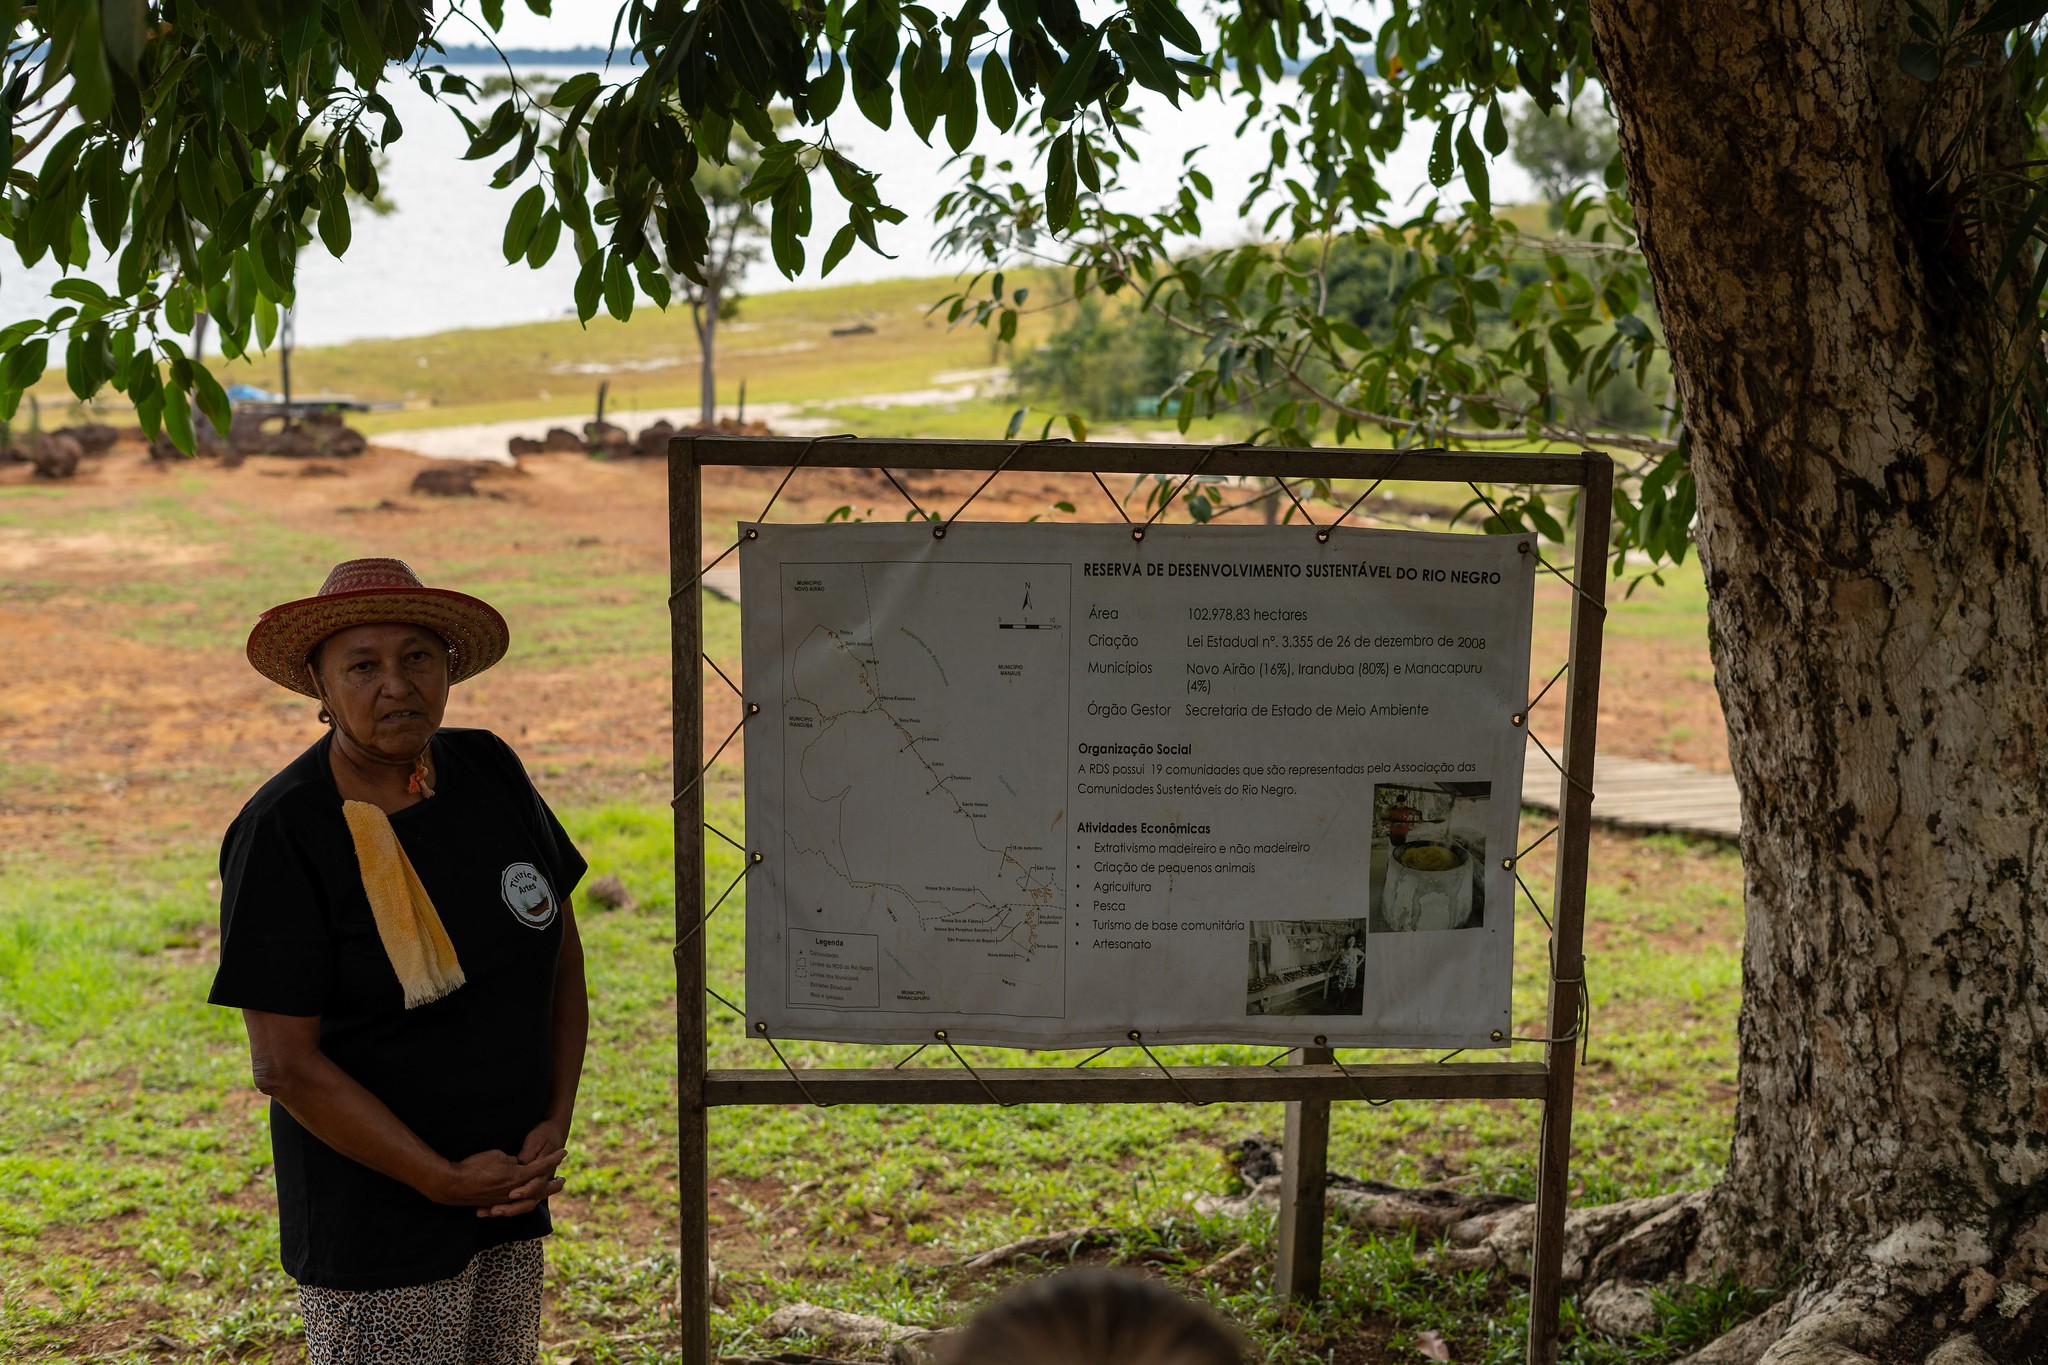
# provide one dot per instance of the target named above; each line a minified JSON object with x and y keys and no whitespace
{"x":502,"y":1185}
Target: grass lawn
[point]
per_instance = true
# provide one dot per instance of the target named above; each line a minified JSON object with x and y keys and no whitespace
{"x":135,"y":1199}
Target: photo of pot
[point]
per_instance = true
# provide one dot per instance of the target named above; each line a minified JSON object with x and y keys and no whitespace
{"x":1428,"y":856}
{"x":1428,"y":886}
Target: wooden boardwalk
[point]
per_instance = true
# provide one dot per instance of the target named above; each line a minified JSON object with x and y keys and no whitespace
{"x":1637,"y":793}
{"x":1629,"y":793}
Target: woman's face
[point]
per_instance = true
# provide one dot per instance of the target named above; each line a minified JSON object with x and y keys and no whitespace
{"x":386,"y":685}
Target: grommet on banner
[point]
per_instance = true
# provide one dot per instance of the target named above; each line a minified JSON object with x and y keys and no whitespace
{"x":760,"y":1028}
{"x":1322,"y":537}
{"x":1137,"y":533}
{"x":756,"y":855}
{"x":939,"y":1034}
{"x":1322,"y":1040}
{"x":939,"y":532}
{"x":753,"y":708}
{"x":753,"y":534}
{"x":1507,"y":864}
{"x":1497,"y":1035}
{"x":1522,"y":548}
{"x":1517,"y":719}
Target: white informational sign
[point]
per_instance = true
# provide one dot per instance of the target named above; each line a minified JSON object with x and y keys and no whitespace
{"x":1047,"y":785}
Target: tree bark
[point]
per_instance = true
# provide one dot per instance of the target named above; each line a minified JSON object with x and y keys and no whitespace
{"x":1877,"y":609}
{"x":705,"y":315}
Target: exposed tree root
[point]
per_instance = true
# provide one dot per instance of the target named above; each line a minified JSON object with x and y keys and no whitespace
{"x":904,"y":1344}
{"x":1430,"y":1211}
{"x":1070,"y":1242}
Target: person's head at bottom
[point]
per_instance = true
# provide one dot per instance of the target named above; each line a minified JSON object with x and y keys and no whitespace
{"x":1094,"y":1317}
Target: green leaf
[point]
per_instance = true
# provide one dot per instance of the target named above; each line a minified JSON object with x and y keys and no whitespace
{"x":523,"y":222}
{"x":1060,"y":192}
{"x":334,"y":225}
{"x":504,"y":125}
{"x":923,"y":98}
{"x":78,"y":290}
{"x":265,"y":312}
{"x":1145,"y":60}
{"x":1921,"y":61}
{"x":1071,"y":81}
{"x":997,"y":92}
{"x":618,"y":287}
{"x":1440,"y":164}
{"x":1016,"y":424}
{"x":655,"y":286}
{"x":178,"y":419}
{"x":87,"y":364}
{"x":589,"y":286}
{"x":92,"y":84}
{"x":1165,"y":19}
{"x":1496,"y":129}
{"x":2008,"y":14}
{"x":570,"y":93}
{"x":178,"y":309}
{"x":822,"y":95}
{"x":213,"y":400}
{"x":545,"y":235}
{"x":1474,"y":164}
{"x":123,"y":30}
{"x":25,"y":363}
{"x":872,"y":56}
{"x":962,"y":110}
{"x":842,"y":243}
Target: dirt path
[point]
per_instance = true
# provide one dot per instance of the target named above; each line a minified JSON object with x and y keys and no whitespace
{"x":129,"y":716}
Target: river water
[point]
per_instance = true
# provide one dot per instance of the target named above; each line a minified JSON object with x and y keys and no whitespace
{"x":434,"y":264}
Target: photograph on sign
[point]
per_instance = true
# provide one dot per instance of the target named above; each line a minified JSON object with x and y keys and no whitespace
{"x":1048,"y":785}
{"x":1306,"y":966}
{"x":1429,"y":855}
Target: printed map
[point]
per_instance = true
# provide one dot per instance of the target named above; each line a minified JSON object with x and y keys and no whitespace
{"x":926,"y":809}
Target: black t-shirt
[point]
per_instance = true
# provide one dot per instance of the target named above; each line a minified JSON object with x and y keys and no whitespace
{"x":469,"y":1072}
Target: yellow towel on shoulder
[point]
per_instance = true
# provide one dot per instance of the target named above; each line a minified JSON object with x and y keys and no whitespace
{"x":406,"y":920}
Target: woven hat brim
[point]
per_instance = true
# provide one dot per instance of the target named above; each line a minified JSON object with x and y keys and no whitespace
{"x":285,"y":636}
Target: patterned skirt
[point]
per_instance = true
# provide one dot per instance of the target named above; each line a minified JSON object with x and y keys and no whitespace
{"x":487,"y":1315}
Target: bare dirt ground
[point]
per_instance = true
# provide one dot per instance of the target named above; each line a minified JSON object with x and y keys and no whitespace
{"x":129,"y":716}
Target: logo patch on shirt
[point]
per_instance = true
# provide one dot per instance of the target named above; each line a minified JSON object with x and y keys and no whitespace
{"x":528,"y":895}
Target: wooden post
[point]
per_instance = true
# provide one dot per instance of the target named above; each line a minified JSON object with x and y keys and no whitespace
{"x":1304,"y":1171}
{"x":1567,"y":942}
{"x":686,"y":605}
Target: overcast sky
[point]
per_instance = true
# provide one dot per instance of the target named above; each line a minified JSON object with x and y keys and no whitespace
{"x":575,"y":23}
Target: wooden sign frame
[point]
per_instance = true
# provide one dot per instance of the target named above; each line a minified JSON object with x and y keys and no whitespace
{"x":1315,"y":1080}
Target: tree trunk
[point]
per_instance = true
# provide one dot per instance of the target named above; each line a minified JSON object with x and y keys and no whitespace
{"x":705,"y":316}
{"x":1877,"y":609}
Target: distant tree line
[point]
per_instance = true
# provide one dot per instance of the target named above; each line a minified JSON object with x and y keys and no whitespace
{"x":1108,"y":361}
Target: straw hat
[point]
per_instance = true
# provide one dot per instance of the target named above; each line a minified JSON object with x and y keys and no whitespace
{"x":363,"y":592}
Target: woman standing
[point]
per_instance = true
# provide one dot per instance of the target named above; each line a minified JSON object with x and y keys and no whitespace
{"x":395,"y":929}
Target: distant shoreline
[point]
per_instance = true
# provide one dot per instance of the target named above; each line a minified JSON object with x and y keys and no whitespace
{"x":472,"y":54}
